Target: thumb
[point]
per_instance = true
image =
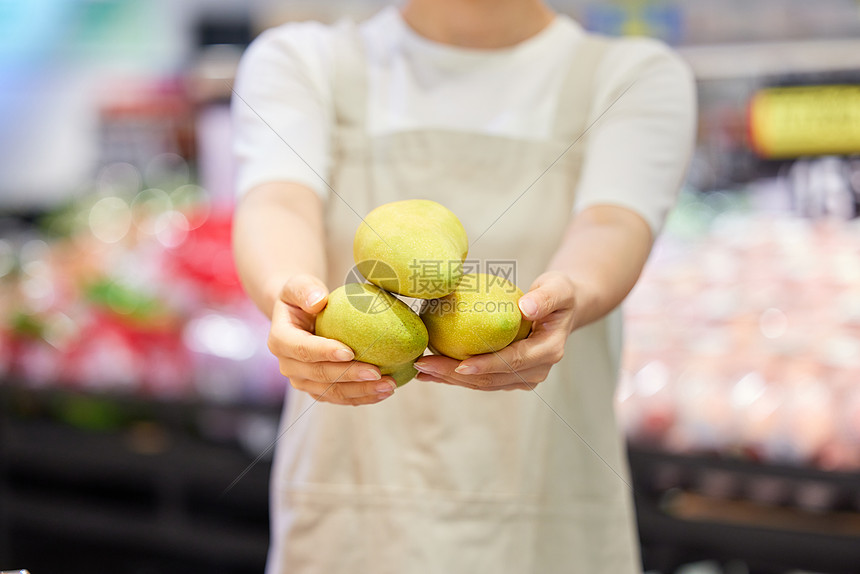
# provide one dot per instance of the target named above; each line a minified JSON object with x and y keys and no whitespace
{"x":544,"y":297}
{"x":307,"y":292}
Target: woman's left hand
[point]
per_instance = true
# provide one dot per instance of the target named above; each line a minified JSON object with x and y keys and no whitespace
{"x":551,"y":304}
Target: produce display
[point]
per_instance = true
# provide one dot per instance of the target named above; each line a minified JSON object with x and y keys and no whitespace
{"x":743,"y":337}
{"x":132,"y":290}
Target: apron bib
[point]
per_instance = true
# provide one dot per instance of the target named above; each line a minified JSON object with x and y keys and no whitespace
{"x":440,"y":479}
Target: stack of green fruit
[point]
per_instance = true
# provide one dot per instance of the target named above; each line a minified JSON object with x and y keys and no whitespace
{"x":416,"y":248}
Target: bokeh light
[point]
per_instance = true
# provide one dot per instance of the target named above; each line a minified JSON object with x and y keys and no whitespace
{"x":110,"y":219}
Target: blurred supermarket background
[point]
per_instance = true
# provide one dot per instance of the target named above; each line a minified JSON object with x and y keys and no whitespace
{"x":135,"y":383}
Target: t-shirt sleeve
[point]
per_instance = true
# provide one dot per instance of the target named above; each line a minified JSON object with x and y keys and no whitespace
{"x":641,"y":140}
{"x":282,"y":108}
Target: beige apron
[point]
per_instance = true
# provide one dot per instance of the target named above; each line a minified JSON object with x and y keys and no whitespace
{"x":440,"y":479}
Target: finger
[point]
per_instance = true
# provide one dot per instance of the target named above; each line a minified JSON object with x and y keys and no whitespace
{"x":296,"y":316}
{"x":353,"y":402}
{"x":549,"y":292}
{"x":306,"y":292}
{"x":527,"y":377}
{"x":286,"y":341}
{"x":511,"y":387}
{"x":436,"y":364}
{"x":345,"y":391}
{"x":543,"y":347}
{"x":329,"y":372}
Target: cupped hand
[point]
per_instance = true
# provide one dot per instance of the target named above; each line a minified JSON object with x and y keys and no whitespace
{"x":551,"y":304}
{"x":323,"y":368}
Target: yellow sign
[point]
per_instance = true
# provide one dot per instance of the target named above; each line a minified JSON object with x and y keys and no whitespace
{"x":805,"y":120}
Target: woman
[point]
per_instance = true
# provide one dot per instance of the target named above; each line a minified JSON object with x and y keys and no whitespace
{"x":561,"y":152}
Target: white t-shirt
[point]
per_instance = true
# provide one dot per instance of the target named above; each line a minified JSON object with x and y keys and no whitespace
{"x":637,"y":152}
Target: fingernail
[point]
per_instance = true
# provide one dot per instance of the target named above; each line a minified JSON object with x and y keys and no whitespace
{"x":424,"y":368}
{"x":386,"y":387}
{"x":368,"y":375}
{"x":344,"y":355}
{"x":528,"y":307}
{"x":466,"y":370}
{"x":315,"y":297}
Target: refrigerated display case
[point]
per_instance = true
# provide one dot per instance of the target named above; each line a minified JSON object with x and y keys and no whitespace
{"x":740,"y":393}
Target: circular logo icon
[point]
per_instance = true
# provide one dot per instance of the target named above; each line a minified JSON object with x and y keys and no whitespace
{"x":365,"y":298}
{"x":377,"y":272}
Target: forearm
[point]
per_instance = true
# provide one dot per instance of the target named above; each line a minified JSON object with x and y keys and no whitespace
{"x":278,"y":232}
{"x":603,"y":252}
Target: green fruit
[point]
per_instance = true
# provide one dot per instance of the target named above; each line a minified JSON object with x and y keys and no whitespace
{"x":379,"y":328}
{"x":480,"y":316}
{"x":401,"y":374}
{"x":525,"y":326}
{"x":414,"y":247}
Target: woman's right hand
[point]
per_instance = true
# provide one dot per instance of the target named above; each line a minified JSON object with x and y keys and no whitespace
{"x":323,"y":368}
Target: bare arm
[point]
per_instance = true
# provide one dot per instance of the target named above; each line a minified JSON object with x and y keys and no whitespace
{"x":277,"y":234}
{"x":603,"y":253}
{"x":278,"y":244}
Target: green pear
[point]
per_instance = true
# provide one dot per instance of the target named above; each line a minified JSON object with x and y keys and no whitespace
{"x":379,"y":328}
{"x":480,"y":316}
{"x":525,"y":326}
{"x":401,"y":374}
{"x":414,"y":247}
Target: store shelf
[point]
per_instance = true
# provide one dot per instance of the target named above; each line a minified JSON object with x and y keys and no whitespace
{"x":681,"y":521}
{"x":113,"y":498}
{"x":763,"y":59}
{"x":113,"y":527}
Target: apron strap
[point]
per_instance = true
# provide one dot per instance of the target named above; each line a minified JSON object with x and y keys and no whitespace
{"x":576,"y":96}
{"x":350,"y":76}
